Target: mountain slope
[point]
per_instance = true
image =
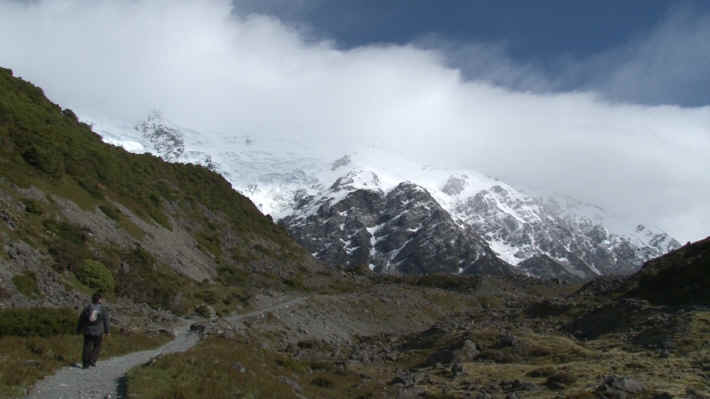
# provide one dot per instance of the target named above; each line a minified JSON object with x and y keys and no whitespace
{"x":171,"y":235}
{"x":403,"y":231}
{"x":681,"y":277}
{"x":292,"y":183}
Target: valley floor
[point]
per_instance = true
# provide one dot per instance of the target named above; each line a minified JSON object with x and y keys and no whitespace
{"x":396,"y":340}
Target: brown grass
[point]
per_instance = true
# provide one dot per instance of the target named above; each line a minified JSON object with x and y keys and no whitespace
{"x":25,"y":360}
{"x":222,"y":368}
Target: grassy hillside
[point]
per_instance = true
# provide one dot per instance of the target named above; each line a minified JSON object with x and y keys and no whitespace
{"x":78,"y":215}
{"x":681,"y":277}
{"x":172,"y":235}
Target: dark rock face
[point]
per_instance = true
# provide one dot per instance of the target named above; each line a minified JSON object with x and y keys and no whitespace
{"x":167,"y":141}
{"x":405,"y":231}
{"x":534,"y":227}
{"x":549,"y":238}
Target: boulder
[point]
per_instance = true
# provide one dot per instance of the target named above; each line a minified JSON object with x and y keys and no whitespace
{"x":619,"y":387}
{"x":444,"y":356}
{"x":468,"y":352}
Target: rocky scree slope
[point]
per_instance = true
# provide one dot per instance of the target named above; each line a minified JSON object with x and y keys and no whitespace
{"x":548,"y":237}
{"x":77,"y":214}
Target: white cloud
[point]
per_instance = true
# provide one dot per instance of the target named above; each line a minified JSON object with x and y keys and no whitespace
{"x":208,"y":69}
{"x":668,"y":66}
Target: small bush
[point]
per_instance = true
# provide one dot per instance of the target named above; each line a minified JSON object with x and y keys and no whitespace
{"x":542,"y":372}
{"x":26,"y":283}
{"x":95,"y":275}
{"x":560,"y":380}
{"x":111,"y":211}
{"x":33,"y":207}
{"x":69,"y":244}
{"x":208,"y":296}
{"x":43,"y":322}
{"x":322,"y":382}
{"x":230,"y":275}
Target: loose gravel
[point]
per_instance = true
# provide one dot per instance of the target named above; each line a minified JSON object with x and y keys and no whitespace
{"x":105,"y":380}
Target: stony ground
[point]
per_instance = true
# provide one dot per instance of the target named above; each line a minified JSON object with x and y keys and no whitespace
{"x":407,"y":339}
{"x":395,"y":340}
{"x":106,"y":379}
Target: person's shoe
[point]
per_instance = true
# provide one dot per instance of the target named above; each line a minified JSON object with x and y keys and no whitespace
{"x":85,"y":366}
{"x":92,"y":364}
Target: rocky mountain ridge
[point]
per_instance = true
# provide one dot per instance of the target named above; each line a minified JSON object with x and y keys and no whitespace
{"x":549,"y":237}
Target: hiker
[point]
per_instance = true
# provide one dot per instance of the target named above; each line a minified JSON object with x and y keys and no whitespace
{"x":93,"y":323}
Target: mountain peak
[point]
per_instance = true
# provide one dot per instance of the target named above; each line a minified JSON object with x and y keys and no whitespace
{"x":302,"y":189}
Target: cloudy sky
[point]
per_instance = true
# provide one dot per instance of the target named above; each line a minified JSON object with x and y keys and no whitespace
{"x":603,"y":101}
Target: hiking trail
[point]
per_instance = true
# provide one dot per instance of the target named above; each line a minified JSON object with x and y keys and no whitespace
{"x":107,"y":379}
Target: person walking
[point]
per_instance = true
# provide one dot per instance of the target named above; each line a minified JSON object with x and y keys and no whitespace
{"x":94,"y":324}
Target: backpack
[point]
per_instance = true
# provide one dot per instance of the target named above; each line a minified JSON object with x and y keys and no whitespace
{"x":94,"y":314}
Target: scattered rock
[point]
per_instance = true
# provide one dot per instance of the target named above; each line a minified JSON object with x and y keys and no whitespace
{"x":198,"y":328}
{"x":206,"y":311}
{"x":560,"y":380}
{"x":468,"y":352}
{"x":239,"y":367}
{"x":517,"y":386}
{"x":507,"y":340}
{"x":296,"y":387}
{"x":456,"y":369}
{"x":405,"y":378}
{"x":693,"y":394}
{"x":619,"y":387}
{"x":443,"y":356}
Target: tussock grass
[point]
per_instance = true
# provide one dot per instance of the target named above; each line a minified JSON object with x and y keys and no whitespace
{"x":26,"y":283}
{"x":37,"y":322}
{"x":25,"y":360}
{"x":222,"y":368}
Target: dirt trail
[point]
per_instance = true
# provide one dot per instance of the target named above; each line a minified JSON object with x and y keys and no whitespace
{"x":105,"y":380}
{"x":235,"y":319}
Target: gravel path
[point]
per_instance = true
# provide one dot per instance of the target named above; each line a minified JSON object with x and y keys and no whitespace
{"x":235,"y":319}
{"x":105,"y":380}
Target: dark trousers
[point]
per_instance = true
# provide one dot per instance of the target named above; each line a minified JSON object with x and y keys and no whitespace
{"x":92,"y":346}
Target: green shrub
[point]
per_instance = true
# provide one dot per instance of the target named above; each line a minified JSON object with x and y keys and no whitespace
{"x":208,"y":296}
{"x":26,"y":283}
{"x":111,"y":211}
{"x":147,"y":280}
{"x":231,"y":275}
{"x":322,"y":382}
{"x":69,"y":244}
{"x":95,"y":275}
{"x":42,"y":322}
{"x":33,"y":207}
{"x":209,"y":242}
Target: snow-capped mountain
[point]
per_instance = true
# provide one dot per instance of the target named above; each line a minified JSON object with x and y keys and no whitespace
{"x":366,"y":206}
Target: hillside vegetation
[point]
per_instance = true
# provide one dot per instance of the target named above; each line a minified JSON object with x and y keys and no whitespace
{"x":78,"y":215}
{"x":131,"y":225}
{"x":681,"y":277}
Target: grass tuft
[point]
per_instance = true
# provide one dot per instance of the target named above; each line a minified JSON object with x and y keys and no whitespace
{"x":26,"y":283}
